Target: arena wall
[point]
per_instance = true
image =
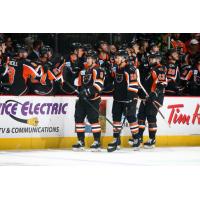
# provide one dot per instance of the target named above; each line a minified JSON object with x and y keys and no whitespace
{"x":32,"y":122}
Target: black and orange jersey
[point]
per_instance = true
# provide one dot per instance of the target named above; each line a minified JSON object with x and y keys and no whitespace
{"x":125,"y":83}
{"x":172,"y":72}
{"x":92,"y":79}
{"x":156,"y":81}
{"x":46,"y":73}
{"x":173,"y":79}
{"x":108,"y":82}
{"x":193,"y":75}
{"x":70,"y":73}
{"x":186,"y":71}
{"x":17,"y":71}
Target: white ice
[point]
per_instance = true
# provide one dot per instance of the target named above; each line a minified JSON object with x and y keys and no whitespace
{"x":176,"y":156}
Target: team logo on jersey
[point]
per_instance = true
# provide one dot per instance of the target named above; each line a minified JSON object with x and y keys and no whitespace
{"x":83,"y":73}
{"x":172,"y":65}
{"x":198,"y":80}
{"x":87,"y":78}
{"x":119,"y":77}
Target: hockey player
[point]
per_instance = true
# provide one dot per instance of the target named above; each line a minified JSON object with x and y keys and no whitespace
{"x":173,"y":75}
{"x":70,"y":73}
{"x":125,"y":98}
{"x":90,"y":86}
{"x":3,"y":59}
{"x":135,"y":50}
{"x":17,"y":71}
{"x":194,"y":80}
{"x":154,"y":84}
{"x":44,"y":84}
{"x":104,"y":62}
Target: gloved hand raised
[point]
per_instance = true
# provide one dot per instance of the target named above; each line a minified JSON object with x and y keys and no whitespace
{"x":152,"y":97}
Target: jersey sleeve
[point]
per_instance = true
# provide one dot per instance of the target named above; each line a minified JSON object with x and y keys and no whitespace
{"x":132,"y":83}
{"x":98,"y":80}
{"x":160,"y":81}
{"x":31,"y":71}
{"x":55,"y":74}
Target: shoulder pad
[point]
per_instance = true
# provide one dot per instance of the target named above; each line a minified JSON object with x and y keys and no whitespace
{"x":27,"y":60}
{"x":83,"y":72}
{"x":131,"y":68}
{"x":171,"y":65}
{"x":68,"y":64}
{"x":50,"y":63}
{"x":101,"y":62}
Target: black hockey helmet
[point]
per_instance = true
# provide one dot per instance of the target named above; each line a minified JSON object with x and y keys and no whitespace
{"x":48,"y":48}
{"x":87,"y":47}
{"x":43,"y":51}
{"x":153,"y":44}
{"x":76,"y":45}
{"x":156,"y":55}
{"x":102,"y":42}
{"x":123,"y":53}
{"x":92,"y":54}
{"x":20,"y":48}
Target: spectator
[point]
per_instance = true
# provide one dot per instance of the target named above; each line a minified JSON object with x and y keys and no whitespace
{"x":35,"y":54}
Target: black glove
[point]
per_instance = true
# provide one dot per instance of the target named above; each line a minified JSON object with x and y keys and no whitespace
{"x":84,"y":94}
{"x":152,"y":97}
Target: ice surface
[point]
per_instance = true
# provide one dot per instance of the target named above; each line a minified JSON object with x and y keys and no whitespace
{"x":176,"y":156}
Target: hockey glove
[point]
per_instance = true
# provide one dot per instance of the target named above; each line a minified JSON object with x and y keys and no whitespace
{"x":152,"y":97}
{"x":84,"y":94}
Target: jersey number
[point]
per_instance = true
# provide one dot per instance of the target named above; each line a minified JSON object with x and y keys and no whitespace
{"x":161,"y":77}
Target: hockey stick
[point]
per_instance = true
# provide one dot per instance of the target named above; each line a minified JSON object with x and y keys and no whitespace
{"x":75,"y":90}
{"x":147,"y":95}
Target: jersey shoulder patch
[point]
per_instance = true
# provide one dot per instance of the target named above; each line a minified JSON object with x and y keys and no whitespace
{"x":83,"y":72}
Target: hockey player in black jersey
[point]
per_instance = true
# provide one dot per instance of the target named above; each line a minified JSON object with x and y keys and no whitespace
{"x":173,"y":75}
{"x":17,"y":71}
{"x":194,"y":79}
{"x":43,"y":85}
{"x":70,"y":73}
{"x":154,"y":84}
{"x":125,"y":98}
{"x":105,"y":63}
{"x":90,"y":86}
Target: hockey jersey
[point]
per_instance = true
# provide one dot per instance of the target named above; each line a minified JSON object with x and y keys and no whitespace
{"x":125,"y":83}
{"x":156,"y":81}
{"x":92,"y":80}
{"x":17,"y":72}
